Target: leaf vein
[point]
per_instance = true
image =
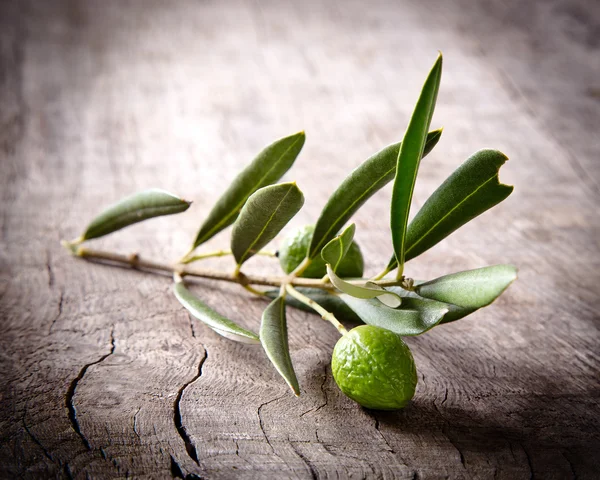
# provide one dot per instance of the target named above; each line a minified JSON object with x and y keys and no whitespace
{"x":451,"y":210}
{"x":320,"y":244}
{"x":249,"y":249}
{"x":226,"y":218}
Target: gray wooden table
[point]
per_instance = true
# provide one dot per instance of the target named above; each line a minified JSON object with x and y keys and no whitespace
{"x":104,"y":375}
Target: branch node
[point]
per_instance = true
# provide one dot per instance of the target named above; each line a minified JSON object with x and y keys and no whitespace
{"x":134,"y":259}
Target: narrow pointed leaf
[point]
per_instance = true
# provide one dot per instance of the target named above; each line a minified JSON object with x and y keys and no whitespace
{"x":471,"y":289}
{"x":265,"y":213}
{"x":329,"y":301}
{"x":409,"y":158}
{"x":366,"y":180}
{"x":367,"y":290}
{"x":413,"y":318}
{"x":336,"y":249}
{"x":274,"y":339}
{"x":214,"y":320}
{"x":133,"y":209}
{"x":470,"y":191}
{"x":267,"y":168}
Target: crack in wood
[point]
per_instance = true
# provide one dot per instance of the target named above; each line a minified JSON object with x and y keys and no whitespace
{"x":36,"y":440}
{"x":135,"y":430}
{"x":191,"y":319}
{"x":59,"y":313}
{"x":323,"y":388}
{"x":73,"y":387}
{"x":462,"y":457}
{"x":445,"y":396}
{"x":49,"y":269}
{"x":260,"y":420}
{"x":177,"y":418}
{"x":571,"y":466}
{"x":313,"y":471}
{"x":512,"y":452}
{"x":319,"y":407}
{"x":68,"y":471}
{"x":176,"y":470}
{"x":529,"y":464}
{"x":390,"y":449}
{"x":445,"y":430}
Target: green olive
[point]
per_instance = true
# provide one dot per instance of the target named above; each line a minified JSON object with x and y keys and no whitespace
{"x":293,"y":251}
{"x":375,"y":368}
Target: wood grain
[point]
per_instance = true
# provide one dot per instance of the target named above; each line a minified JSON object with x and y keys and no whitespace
{"x":104,"y":375}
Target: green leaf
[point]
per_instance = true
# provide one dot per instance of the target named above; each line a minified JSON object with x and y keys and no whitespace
{"x":214,"y":320}
{"x":329,"y":301}
{"x":268,"y":167}
{"x":471,"y":289}
{"x":454,"y":311}
{"x":409,"y":158}
{"x":336,"y":249}
{"x":471,"y":190}
{"x":133,"y":209}
{"x":367,"y":290}
{"x":265,"y":213}
{"x":367,"y":179}
{"x":274,"y":339}
{"x":413,"y":318}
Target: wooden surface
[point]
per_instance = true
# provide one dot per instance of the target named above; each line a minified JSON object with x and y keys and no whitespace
{"x":103,"y":375}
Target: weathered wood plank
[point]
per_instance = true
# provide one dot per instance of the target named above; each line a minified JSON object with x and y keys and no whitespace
{"x":104,"y":375}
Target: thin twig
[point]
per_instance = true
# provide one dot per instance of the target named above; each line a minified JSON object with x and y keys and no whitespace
{"x":254,"y":291}
{"x":326,"y":315}
{"x":135,"y":261}
{"x":222,"y":253}
{"x":379,"y":276}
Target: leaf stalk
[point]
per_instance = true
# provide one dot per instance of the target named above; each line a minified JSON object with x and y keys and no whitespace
{"x":326,"y":315}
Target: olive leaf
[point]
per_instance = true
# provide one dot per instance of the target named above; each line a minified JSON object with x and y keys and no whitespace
{"x":367,"y":290}
{"x":472,"y":189}
{"x":471,"y":289}
{"x":274,"y":339}
{"x":454,"y":311}
{"x":265,"y":213}
{"x":409,"y":158}
{"x":336,"y":249}
{"x":133,"y":209}
{"x":412,"y":318}
{"x":214,"y":320}
{"x":366,"y":180}
{"x":268,"y":167}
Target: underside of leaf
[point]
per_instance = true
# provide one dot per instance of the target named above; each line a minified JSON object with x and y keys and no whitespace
{"x":223,"y":326}
{"x":274,"y":339}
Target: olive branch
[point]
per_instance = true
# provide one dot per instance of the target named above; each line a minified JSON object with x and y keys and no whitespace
{"x":258,"y":208}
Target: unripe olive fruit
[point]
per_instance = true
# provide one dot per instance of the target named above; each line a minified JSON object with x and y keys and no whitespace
{"x":374,"y":367}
